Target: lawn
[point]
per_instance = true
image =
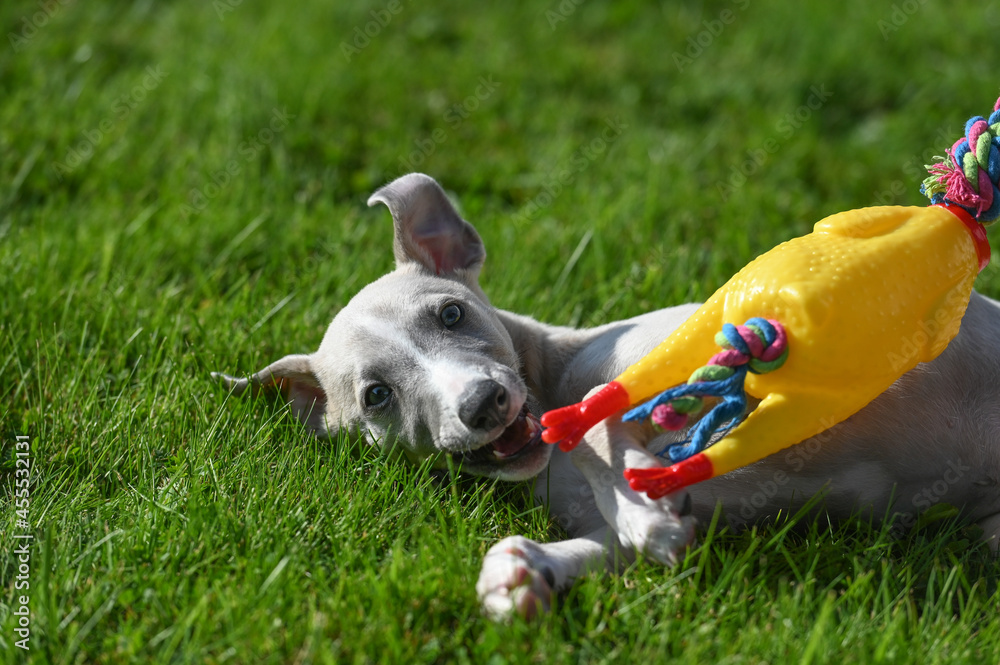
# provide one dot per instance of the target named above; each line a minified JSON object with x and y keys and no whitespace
{"x":182,"y":190}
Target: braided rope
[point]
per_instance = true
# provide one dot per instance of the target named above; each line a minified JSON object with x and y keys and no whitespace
{"x":970,"y":174}
{"x":759,"y":346}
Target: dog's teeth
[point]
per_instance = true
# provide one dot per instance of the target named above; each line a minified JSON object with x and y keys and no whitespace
{"x":498,"y":454}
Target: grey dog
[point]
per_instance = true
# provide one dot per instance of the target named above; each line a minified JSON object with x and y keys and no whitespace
{"x":419,"y":362}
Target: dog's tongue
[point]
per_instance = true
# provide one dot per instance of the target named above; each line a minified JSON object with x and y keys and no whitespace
{"x":516,"y":436}
{"x":508,"y":443}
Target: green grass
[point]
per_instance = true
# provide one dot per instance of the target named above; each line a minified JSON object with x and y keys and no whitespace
{"x":175,"y":525}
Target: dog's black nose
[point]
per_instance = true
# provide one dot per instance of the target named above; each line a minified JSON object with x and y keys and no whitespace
{"x":484,"y":406}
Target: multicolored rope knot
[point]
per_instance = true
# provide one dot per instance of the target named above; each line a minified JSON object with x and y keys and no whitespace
{"x":969,"y":176}
{"x":759,"y":346}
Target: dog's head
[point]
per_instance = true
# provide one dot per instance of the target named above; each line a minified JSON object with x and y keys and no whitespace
{"x":418,"y":360}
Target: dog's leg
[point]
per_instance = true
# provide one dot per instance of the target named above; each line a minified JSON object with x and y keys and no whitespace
{"x":659,"y":529}
{"x":521,"y":576}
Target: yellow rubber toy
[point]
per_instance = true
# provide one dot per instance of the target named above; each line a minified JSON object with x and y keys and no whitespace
{"x":862,"y":299}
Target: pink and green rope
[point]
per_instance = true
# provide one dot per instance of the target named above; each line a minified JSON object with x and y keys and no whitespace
{"x":969,"y":176}
{"x":758,"y":346}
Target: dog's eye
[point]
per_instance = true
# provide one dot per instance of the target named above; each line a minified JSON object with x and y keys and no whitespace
{"x":377,"y":395}
{"x":451,"y":315}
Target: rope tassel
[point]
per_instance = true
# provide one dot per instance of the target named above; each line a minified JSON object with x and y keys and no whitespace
{"x":759,"y":346}
{"x":969,"y":175}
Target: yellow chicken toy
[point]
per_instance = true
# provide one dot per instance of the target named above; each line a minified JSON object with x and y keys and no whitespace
{"x":830,"y":321}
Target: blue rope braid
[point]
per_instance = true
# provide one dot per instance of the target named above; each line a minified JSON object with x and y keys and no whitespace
{"x":969,"y":176}
{"x":758,"y":346}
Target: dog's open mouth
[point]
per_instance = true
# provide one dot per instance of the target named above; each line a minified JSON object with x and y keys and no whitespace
{"x":520,"y":437}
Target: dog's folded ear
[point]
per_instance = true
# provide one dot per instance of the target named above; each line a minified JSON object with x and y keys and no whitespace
{"x":428,"y":229}
{"x":293,"y":378}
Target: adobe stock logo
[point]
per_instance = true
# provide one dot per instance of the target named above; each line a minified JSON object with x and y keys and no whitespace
{"x":121,"y":108}
{"x":455,"y":115}
{"x":795,"y":460}
{"x":30,"y":26}
{"x":199,"y":197}
{"x":929,"y":496}
{"x":785,"y":129}
{"x":713,"y":29}
{"x":363,"y":35}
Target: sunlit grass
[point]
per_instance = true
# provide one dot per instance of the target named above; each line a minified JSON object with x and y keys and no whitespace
{"x":182,"y":190}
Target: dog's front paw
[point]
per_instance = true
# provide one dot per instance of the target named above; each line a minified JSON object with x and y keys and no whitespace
{"x":658,"y":529}
{"x":516,"y":577}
